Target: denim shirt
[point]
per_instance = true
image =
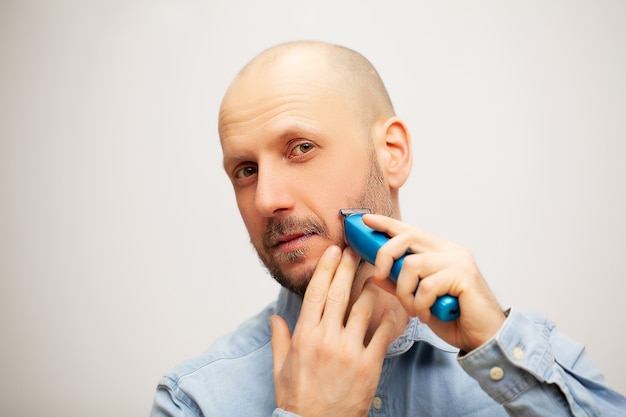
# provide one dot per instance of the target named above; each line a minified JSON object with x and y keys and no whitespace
{"x":527,"y":369}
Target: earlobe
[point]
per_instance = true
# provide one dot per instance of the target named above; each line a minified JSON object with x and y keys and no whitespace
{"x":398,"y":154}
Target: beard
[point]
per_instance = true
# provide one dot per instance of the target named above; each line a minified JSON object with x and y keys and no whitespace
{"x":376,"y":196}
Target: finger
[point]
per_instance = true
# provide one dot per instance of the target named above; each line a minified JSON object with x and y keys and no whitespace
{"x":436,"y":285}
{"x":339,"y":292}
{"x":414,"y":267}
{"x":361,"y":312}
{"x":419,"y":266}
{"x":383,"y":336}
{"x":281,"y":339}
{"x":386,"y":284}
{"x":315,"y":296}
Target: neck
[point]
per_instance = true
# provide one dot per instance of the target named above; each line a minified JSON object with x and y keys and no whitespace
{"x":385,"y":302}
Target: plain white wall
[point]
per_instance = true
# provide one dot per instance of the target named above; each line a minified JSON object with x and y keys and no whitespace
{"x":121,"y":249}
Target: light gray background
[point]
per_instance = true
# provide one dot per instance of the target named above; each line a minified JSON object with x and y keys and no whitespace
{"x":121,"y":249}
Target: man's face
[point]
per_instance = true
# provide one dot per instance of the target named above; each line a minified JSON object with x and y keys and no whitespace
{"x":296,"y":154}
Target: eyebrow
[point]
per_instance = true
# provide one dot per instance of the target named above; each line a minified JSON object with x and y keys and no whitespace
{"x":227,"y":161}
{"x":290,"y":131}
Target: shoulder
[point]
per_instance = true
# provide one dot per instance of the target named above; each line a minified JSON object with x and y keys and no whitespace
{"x":238,"y":347}
{"x":239,"y":362}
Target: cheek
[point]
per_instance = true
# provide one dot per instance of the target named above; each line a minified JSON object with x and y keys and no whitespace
{"x":252,"y":222}
{"x":344,"y":187}
{"x":344,"y":175}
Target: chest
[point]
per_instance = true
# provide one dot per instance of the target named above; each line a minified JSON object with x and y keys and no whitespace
{"x":429,"y":382}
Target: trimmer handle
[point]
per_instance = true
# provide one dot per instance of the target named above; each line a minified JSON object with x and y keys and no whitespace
{"x":367,"y":241}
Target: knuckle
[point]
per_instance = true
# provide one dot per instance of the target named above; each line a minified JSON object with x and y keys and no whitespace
{"x":300,"y":343}
{"x":466,"y":255}
{"x":412,"y":261}
{"x":337,"y":295}
{"x":384,"y":252}
{"x":315,"y":294}
{"x":327,"y":348}
{"x":426,"y":286}
{"x":467,"y":264}
{"x":361,"y":311}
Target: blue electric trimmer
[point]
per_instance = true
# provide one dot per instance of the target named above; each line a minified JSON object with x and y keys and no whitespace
{"x":367,"y":241}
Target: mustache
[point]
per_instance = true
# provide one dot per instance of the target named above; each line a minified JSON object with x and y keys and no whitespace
{"x":291,"y":226}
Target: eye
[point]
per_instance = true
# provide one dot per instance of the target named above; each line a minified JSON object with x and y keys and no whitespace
{"x":302,"y":148}
{"x":245,"y":172}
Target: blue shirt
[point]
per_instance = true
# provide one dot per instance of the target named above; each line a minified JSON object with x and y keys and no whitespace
{"x":527,"y":369}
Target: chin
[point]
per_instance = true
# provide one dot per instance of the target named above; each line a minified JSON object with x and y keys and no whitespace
{"x":294,"y":270}
{"x":294,"y":276}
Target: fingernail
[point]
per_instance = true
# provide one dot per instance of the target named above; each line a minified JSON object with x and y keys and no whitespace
{"x":333,"y":251}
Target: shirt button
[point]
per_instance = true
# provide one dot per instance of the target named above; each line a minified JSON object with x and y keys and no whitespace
{"x":377,"y":403}
{"x":518,"y":353}
{"x":496,"y":373}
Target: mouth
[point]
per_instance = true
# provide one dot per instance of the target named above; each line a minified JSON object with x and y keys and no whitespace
{"x":291,"y":242}
{"x":289,"y":238}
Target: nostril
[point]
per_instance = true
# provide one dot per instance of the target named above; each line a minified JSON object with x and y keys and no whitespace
{"x":274,"y":193}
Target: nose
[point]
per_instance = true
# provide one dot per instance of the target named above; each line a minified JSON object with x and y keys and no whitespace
{"x":273,"y":191}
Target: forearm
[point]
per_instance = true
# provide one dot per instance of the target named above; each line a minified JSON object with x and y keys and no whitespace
{"x":532,"y":370}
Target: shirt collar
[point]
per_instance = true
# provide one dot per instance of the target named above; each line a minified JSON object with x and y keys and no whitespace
{"x":414,"y":332}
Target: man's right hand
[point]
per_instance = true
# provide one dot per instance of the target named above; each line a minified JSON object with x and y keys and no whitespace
{"x":326,"y":368}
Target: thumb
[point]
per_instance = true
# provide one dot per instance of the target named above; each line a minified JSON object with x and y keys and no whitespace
{"x":281,"y":339}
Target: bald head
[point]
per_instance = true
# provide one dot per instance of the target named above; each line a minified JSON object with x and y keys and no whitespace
{"x":328,"y":67}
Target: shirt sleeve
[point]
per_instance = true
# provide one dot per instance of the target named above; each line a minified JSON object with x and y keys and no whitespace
{"x":533,"y":370}
{"x":282,"y":413}
{"x":168,"y":404}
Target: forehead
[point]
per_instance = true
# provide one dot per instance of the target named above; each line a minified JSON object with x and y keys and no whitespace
{"x":277,"y":80}
{"x":278,"y":97}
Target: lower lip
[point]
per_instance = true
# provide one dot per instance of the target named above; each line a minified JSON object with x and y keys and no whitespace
{"x":293,"y":244}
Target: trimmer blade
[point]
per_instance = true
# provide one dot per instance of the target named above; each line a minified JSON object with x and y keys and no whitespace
{"x":351,"y":211}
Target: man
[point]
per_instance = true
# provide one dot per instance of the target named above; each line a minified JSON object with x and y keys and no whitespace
{"x":306,"y":129}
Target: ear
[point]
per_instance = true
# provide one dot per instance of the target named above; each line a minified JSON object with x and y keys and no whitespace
{"x":396,"y":157}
